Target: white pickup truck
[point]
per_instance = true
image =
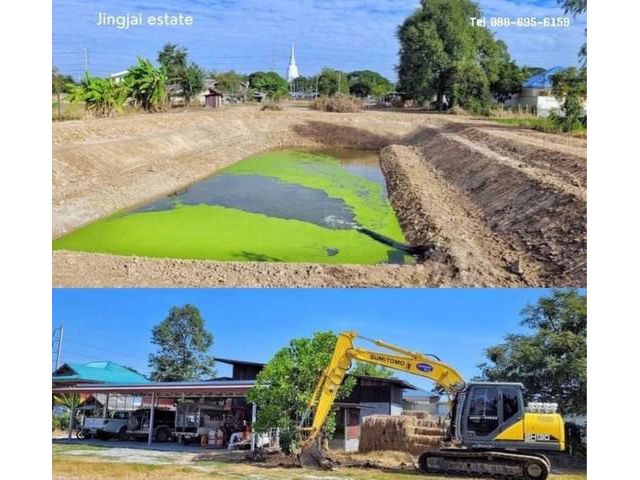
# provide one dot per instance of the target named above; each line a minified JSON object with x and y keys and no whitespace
{"x":114,"y":426}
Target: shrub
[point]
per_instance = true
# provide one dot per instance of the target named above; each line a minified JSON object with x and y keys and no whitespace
{"x":273,"y":106}
{"x":60,"y":422}
{"x":478,"y":107}
{"x":337,"y":103}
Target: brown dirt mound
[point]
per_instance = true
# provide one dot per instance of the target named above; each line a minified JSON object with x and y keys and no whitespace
{"x":531,"y":209}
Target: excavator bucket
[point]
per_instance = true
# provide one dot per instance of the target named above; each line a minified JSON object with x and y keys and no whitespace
{"x":312,"y":456}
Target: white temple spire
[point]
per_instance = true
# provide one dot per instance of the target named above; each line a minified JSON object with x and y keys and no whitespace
{"x":292,"y":70}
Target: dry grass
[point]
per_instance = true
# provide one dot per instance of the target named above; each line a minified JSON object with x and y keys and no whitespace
{"x":337,"y":103}
{"x":67,"y":111}
{"x":78,"y":469}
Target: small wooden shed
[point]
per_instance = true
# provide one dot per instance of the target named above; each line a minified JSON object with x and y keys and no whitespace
{"x":213,"y":98}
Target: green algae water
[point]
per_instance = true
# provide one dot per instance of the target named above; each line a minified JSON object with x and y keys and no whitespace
{"x":280,"y":206}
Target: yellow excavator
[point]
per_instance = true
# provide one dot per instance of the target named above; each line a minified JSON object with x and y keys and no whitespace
{"x":490,"y":431}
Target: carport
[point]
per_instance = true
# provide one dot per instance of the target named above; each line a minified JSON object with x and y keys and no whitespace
{"x":157,"y":392}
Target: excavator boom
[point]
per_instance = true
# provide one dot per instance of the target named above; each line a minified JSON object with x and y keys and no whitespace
{"x":401,"y":360}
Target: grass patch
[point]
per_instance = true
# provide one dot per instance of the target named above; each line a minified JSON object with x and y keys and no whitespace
{"x":68,"y":111}
{"x":546,"y":125}
{"x":62,"y":448}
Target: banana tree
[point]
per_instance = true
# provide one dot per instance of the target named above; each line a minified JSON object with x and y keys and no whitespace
{"x":102,"y":97}
{"x":147,"y":85}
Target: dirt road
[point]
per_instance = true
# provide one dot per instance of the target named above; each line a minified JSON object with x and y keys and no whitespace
{"x":505,"y":206}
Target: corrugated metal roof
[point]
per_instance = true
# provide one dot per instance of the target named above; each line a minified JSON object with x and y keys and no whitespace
{"x":542,"y":79}
{"x":230,"y":387}
{"x":97,"y":372}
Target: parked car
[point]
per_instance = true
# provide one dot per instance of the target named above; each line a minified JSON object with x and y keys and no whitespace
{"x":115,"y":425}
{"x":164,"y":425}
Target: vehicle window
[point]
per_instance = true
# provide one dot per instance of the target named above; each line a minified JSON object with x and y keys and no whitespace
{"x":510,"y":405}
{"x":483,"y":411}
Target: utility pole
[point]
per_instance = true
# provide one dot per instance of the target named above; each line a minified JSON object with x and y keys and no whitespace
{"x":86,"y":61}
{"x":317,"y":76}
{"x":339,"y":79}
{"x":58,"y":343}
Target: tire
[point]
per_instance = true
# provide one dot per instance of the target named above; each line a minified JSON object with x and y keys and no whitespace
{"x":80,"y":434}
{"x":122,"y":434}
{"x":162,"y":435}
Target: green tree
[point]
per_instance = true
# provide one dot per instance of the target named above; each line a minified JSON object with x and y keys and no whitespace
{"x":570,"y":87}
{"x":193,"y":82}
{"x":443,"y":55}
{"x":370,"y":370}
{"x":551,"y":362}
{"x":188,"y":76}
{"x":332,"y":81}
{"x":102,"y":97}
{"x":270,"y":83}
{"x":285,"y":385}
{"x":60,"y":84}
{"x":366,"y":82}
{"x":507,"y":83}
{"x":504,"y":77}
{"x":434,"y":41}
{"x":231,"y":82}
{"x":576,"y":7}
{"x":147,"y":85}
{"x":183,"y":345}
{"x":174,"y":59}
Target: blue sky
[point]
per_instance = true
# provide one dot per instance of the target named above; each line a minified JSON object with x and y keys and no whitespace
{"x":252,"y":324}
{"x":250,"y":35}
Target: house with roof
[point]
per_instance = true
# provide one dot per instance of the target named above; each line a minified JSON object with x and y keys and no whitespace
{"x":96,"y":372}
{"x":535,"y":95}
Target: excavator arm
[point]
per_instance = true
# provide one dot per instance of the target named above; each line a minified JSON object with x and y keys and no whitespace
{"x":400,"y":359}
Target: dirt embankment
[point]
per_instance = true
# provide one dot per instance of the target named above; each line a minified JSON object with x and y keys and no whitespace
{"x":502,"y":210}
{"x":431,"y":211}
{"x":536,"y":211}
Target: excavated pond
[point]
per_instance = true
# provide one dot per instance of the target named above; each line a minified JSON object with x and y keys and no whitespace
{"x":285,"y":205}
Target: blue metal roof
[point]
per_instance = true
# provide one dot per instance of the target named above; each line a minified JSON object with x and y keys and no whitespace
{"x":542,"y":79}
{"x":99,"y":372}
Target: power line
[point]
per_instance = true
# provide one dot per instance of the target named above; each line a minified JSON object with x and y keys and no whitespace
{"x":107,"y":350}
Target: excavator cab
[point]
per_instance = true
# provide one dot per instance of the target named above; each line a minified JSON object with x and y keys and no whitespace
{"x":493,"y":415}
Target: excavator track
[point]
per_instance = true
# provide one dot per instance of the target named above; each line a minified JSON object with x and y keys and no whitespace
{"x":491,"y":464}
